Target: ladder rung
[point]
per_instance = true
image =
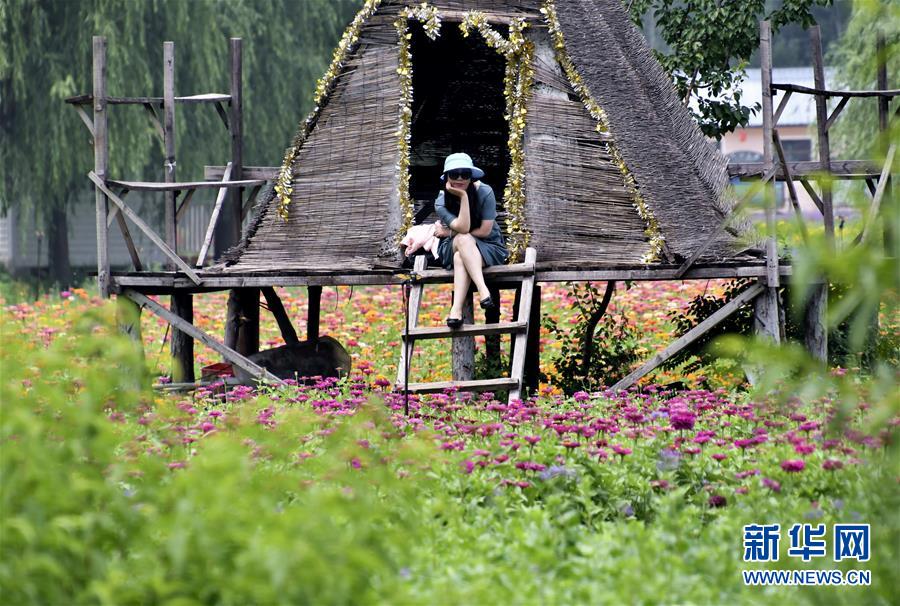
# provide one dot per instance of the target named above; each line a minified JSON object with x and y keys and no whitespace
{"x":480,"y":385}
{"x":495,"y":271}
{"x":467,"y":330}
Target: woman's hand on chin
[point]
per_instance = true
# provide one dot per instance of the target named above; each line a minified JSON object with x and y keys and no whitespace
{"x":459,"y":193}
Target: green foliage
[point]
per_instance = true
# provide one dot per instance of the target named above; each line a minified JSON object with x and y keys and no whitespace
{"x":96,"y":511}
{"x":615,"y":341}
{"x":710,"y":43}
{"x":855,"y":60}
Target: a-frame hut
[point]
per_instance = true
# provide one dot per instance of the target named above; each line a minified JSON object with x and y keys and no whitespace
{"x":599,"y":169}
{"x":595,"y":160}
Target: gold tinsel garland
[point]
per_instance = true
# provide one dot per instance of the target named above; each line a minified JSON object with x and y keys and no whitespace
{"x":519,"y":76}
{"x":430,"y":19}
{"x":324,"y":86}
{"x":559,"y":46}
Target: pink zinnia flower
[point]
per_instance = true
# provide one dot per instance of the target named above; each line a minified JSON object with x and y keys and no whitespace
{"x":832,"y":464}
{"x":719,"y":456}
{"x":793,"y":465}
{"x":621,"y":450}
{"x":717,"y":501}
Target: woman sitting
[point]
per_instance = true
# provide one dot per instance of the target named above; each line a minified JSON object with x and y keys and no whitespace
{"x":470,"y":236}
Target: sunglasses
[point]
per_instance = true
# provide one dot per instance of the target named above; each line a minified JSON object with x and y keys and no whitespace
{"x":459,"y":174}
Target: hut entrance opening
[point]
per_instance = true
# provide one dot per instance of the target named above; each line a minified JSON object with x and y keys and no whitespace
{"x":458,"y":106}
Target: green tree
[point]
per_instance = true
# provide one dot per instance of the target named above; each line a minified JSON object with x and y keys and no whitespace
{"x":45,"y":56}
{"x":709,"y":46}
{"x":856,"y":63}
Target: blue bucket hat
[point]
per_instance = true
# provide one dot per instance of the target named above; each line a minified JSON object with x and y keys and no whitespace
{"x":461,"y":161}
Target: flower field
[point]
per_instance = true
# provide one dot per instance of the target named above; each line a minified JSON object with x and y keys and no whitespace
{"x":328,"y":493}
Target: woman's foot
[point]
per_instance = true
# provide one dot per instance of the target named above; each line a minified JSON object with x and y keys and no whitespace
{"x":487,"y":303}
{"x":454,"y":323}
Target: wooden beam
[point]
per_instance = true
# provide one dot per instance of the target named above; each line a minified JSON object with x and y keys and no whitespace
{"x":229,"y":354}
{"x":202,"y":98}
{"x":813,"y":194}
{"x":840,"y":169}
{"x":276,"y":307}
{"x":171,"y":254}
{"x":821,"y":91}
{"x":689,"y":337}
{"x":262,"y":173}
{"x":185,"y":203}
{"x":129,"y":243}
{"x":467,"y":330}
{"x":222,"y":114}
{"x":85,"y":118}
{"x":101,"y":161}
{"x":170,"y":186}
{"x":836,"y":112}
{"x":781,"y":107}
{"x":792,"y":191}
{"x":875,"y":206}
{"x":114,"y":211}
{"x":532,"y":372}
{"x":214,"y":217}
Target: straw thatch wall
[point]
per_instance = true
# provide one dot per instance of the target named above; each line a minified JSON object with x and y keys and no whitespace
{"x":577,"y":205}
{"x":682,"y":177}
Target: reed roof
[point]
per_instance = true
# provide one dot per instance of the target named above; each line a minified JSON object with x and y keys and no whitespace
{"x":344,"y":214}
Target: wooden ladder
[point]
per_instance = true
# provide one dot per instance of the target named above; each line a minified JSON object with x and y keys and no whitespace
{"x":518,"y":328}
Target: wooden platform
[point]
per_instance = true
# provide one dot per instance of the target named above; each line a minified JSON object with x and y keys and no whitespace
{"x":163,"y":282}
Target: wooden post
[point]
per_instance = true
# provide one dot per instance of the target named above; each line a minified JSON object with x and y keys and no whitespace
{"x":313,"y":312}
{"x":815,"y":334}
{"x":464,"y":347}
{"x":169,"y":144}
{"x":242,"y":321}
{"x":890,"y":234}
{"x":228,"y":228}
{"x":492,"y":316}
{"x":768,"y":305}
{"x":284,"y":321}
{"x":101,"y":162}
{"x":533,"y":348}
{"x":182,"y":343}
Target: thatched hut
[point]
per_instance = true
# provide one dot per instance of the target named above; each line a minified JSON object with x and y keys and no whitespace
{"x":595,"y":160}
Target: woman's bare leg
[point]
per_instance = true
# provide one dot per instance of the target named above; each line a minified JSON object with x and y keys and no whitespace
{"x":473,"y":261}
{"x":461,"y":283}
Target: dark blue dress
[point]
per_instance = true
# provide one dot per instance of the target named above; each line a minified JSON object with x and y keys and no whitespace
{"x":492,"y":247}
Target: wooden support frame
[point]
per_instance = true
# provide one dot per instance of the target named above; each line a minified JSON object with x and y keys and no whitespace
{"x":813,"y":195}
{"x":276,"y":307}
{"x":689,"y":337}
{"x":170,"y":231}
{"x":413,"y":305}
{"x":213,"y":219}
{"x":822,"y":130}
{"x":879,"y":193}
{"x":792,"y":190}
{"x":229,"y":354}
{"x":173,"y":256}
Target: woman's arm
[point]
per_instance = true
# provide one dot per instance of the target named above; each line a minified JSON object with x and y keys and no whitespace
{"x":483,"y":230}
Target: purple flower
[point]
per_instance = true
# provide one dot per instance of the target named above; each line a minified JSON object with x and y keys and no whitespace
{"x":717,"y":500}
{"x":683,"y":419}
{"x":621,"y":450}
{"x":771,"y":485}
{"x":832,"y":464}
{"x":793,"y":465}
